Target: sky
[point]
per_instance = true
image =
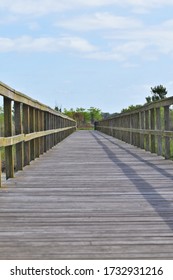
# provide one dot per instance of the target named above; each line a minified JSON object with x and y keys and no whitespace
{"x":87,"y":53}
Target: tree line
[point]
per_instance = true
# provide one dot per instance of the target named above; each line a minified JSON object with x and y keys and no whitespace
{"x":85,"y":118}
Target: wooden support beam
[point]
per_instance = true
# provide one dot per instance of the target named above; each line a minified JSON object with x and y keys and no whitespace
{"x":18,"y":131}
{"x":37,"y":129}
{"x":41,"y":129}
{"x":152,"y":126}
{"x":158,"y":127}
{"x":142,"y":126}
{"x":147,"y":141}
{"x":26,"y":130}
{"x":32,"y":130}
{"x":9,"y":151}
{"x":46,"y":127}
{"x":167,"y":138}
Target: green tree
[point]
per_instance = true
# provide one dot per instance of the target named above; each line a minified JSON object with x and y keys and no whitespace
{"x":158,"y":93}
{"x":57,"y":109}
{"x":95,"y":114}
{"x":84,"y":117}
{"x":70,"y":113}
{"x":131,"y":108}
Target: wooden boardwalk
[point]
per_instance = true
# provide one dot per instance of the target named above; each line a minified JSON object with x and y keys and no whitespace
{"x":90,"y":197}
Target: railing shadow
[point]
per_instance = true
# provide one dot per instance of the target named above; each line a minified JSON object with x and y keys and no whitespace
{"x":162,"y":206}
{"x":150,"y":164}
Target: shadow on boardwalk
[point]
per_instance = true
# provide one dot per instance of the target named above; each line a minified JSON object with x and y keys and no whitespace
{"x":161,"y":205}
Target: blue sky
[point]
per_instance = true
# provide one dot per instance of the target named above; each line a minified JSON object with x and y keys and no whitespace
{"x":77,"y":53}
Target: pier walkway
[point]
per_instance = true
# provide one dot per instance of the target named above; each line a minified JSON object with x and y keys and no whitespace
{"x":90,"y":197}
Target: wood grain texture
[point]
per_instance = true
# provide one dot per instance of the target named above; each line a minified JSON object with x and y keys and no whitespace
{"x":90,"y":197}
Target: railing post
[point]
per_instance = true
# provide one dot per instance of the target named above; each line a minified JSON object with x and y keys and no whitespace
{"x":60,"y":134}
{"x":51,"y":127}
{"x":37,"y":129}
{"x":32,"y":129}
{"x":158,"y":127}
{"x":147,"y":141}
{"x":127,"y":133}
{"x":9,"y":152}
{"x":137,"y":127}
{"x":59,"y":126}
{"x":63,"y":132}
{"x":54,"y":126}
{"x":46,"y":127}
{"x":167,"y":139}
{"x":18,"y":130}
{"x":152,"y":121}
{"x":141,"y":123}
{"x":29,"y":117}
{"x":26,"y":130}
{"x":42,"y":129}
{"x":131,"y":133}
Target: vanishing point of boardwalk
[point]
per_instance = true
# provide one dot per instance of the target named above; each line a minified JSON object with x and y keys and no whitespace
{"x":90,"y":197}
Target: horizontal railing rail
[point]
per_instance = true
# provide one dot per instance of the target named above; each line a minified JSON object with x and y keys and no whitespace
{"x":150,"y":127}
{"x":30,"y":129}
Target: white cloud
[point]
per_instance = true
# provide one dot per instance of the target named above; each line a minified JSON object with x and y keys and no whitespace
{"x":38,"y":7}
{"x":132,"y":48}
{"x":122,"y":37}
{"x":7,"y":19}
{"x":148,"y":41}
{"x":45,"y":44}
{"x":122,"y":45}
{"x":42,"y":7}
{"x":99,"y":21}
{"x":76,"y":43}
{"x":105,"y":56}
{"x":130,"y":37}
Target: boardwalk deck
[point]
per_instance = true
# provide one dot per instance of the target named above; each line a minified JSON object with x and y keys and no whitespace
{"x":90,"y":197}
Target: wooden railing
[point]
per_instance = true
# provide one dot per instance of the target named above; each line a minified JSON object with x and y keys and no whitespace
{"x":30,"y":129}
{"x":149,"y":128}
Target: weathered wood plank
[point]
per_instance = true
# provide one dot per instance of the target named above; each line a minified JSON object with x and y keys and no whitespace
{"x":166,"y":126}
{"x":13,"y":140}
{"x":90,"y":197}
{"x":159,"y":127}
{"x":152,"y":125}
{"x":18,"y":131}
{"x":26,"y":130}
{"x":9,"y":158}
{"x":32,"y":130}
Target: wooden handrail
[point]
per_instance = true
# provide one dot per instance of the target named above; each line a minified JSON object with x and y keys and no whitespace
{"x":17,"y":96}
{"x":148,"y":127}
{"x":37,"y":128}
